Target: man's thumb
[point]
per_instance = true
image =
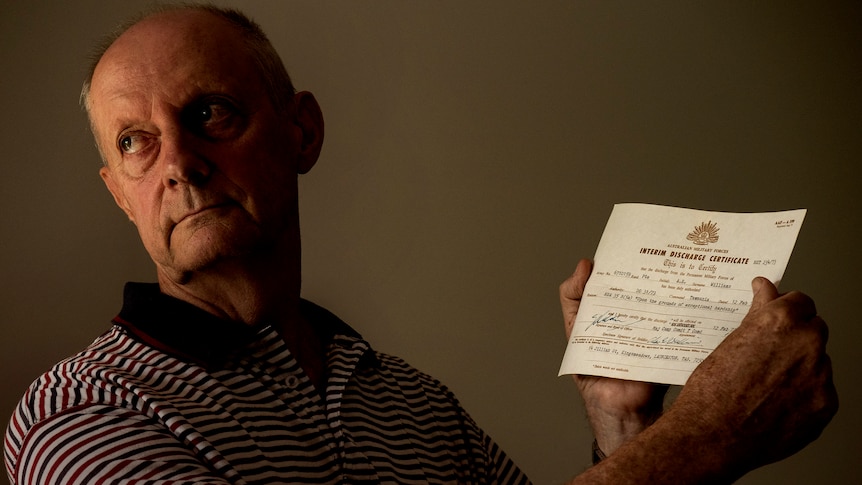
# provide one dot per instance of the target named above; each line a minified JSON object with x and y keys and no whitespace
{"x":764,"y":292}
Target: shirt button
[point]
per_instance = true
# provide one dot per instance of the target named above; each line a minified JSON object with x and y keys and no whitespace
{"x":292,"y":382}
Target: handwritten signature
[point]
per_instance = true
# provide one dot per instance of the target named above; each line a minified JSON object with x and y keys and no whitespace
{"x":658,"y":339}
{"x":612,"y":317}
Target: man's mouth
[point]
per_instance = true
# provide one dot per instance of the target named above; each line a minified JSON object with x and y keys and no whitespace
{"x":203,"y":210}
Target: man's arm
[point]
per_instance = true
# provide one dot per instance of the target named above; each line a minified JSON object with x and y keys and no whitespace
{"x":762,"y":395}
{"x":617,"y":409}
{"x":101,"y":444}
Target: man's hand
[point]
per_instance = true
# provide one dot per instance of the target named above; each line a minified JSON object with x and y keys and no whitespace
{"x":617,"y":409}
{"x":762,"y":395}
{"x":767,"y":390}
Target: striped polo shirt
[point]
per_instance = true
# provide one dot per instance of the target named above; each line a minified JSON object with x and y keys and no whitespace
{"x":172,"y":394}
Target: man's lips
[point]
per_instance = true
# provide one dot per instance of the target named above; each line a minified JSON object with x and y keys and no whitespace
{"x":189,"y":217}
{"x":202,"y":210}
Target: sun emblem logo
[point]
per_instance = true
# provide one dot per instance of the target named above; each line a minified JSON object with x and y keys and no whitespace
{"x":705,"y":233}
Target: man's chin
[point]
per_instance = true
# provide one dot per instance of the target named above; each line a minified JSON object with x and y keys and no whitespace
{"x":205,"y":257}
{"x":183,"y":270}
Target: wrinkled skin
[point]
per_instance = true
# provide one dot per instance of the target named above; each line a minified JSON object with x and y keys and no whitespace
{"x":762,"y":395}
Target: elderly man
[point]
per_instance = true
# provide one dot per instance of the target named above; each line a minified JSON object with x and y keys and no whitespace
{"x":220,"y":373}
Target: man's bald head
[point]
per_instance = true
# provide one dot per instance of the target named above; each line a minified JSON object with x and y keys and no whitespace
{"x":273,"y":73}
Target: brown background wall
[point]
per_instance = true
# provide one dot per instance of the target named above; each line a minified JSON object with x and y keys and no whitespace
{"x":474,"y":151}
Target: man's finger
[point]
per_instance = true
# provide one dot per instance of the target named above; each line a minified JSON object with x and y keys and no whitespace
{"x":573,"y":288}
{"x":571,"y":292}
{"x":764,"y":292}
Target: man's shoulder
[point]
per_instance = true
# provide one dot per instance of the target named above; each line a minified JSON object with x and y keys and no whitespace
{"x":413,"y":384}
{"x":83,"y":380}
{"x":402,"y":368}
{"x":80,"y":378}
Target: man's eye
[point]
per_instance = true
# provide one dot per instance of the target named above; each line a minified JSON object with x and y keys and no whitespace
{"x":130,"y":144}
{"x":205,"y":113}
{"x":215,"y":119}
{"x":212,"y":113}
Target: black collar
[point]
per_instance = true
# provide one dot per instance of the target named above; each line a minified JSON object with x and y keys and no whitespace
{"x":190,"y":333}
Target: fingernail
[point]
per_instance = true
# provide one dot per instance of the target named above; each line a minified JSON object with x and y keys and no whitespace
{"x":756,"y":284}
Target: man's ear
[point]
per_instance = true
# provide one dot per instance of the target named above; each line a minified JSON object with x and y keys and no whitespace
{"x":114,"y":189}
{"x":309,"y":118}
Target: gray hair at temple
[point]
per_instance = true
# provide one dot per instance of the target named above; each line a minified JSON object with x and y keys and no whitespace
{"x":275,"y":77}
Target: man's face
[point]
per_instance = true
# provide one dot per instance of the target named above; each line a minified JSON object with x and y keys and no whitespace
{"x":197,"y":155}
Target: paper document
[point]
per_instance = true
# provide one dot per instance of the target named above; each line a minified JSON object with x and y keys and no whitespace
{"x":669,"y":284}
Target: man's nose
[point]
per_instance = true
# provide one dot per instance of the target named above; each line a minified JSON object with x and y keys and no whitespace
{"x":183,"y":164}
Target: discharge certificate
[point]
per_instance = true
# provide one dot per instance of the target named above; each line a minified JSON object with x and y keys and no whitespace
{"x":669,"y":284}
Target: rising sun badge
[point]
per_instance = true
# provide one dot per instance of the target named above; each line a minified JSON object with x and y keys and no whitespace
{"x":705,"y":233}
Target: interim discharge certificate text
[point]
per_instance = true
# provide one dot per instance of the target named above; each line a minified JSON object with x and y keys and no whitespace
{"x":668,"y":284}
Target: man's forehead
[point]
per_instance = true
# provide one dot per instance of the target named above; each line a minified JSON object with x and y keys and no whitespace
{"x":172,"y":51}
{"x":178,"y":22}
{"x":173,"y":56}
{"x":182,"y":33}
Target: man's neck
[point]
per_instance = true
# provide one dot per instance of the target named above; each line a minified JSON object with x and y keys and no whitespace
{"x":262,"y":293}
